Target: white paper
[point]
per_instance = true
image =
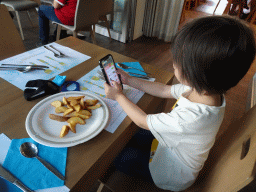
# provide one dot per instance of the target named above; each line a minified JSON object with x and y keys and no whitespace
{"x":92,"y":83}
{"x":41,"y":56}
{"x":4,"y":147}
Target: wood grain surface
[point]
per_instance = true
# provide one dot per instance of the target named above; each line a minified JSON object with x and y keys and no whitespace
{"x":88,"y":161}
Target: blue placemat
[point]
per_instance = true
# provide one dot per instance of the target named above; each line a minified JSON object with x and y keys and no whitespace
{"x":30,"y":171}
{"x":134,"y":65}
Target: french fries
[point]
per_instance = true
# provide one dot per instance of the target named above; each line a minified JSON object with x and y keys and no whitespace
{"x":95,"y":106}
{"x":74,"y":110}
{"x":64,"y":130}
{"x":58,"y":118}
{"x":56,"y":104}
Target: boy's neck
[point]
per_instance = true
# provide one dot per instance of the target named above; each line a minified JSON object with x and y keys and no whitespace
{"x":211,"y":100}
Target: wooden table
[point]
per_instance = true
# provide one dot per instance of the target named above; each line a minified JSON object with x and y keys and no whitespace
{"x":88,"y":161}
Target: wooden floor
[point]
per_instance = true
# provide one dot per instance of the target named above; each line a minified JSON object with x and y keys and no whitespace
{"x":156,"y":52}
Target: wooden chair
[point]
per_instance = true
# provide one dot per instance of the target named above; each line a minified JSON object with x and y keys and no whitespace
{"x":231,"y":164}
{"x":87,"y":14}
{"x":232,"y":160}
{"x":188,"y":3}
{"x":105,"y":7}
{"x":47,"y":2}
{"x":252,"y":16}
{"x":21,"y":5}
{"x":10,"y":41}
{"x":234,"y":7}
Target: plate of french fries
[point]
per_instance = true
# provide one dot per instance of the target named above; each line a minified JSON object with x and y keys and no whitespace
{"x":67,"y":119}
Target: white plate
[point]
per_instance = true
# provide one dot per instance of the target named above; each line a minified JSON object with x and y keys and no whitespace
{"x":46,"y":131}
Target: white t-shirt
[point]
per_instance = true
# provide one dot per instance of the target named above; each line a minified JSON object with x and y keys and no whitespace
{"x":185,"y":136}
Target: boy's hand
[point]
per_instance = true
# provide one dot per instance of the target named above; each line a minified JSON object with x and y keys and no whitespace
{"x":113,"y":91}
{"x":124,"y":76}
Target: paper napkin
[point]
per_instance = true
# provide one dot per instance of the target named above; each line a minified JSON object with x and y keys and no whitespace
{"x":134,"y":65}
{"x":31,"y":171}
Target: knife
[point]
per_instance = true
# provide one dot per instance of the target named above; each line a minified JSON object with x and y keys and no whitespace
{"x":15,"y":65}
{"x":9,"y":177}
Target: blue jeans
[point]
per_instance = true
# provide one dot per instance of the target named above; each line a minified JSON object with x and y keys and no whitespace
{"x":134,"y":158}
{"x":46,"y":13}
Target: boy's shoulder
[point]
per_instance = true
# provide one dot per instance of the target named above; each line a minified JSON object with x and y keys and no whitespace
{"x":178,"y":89}
{"x":190,"y":114}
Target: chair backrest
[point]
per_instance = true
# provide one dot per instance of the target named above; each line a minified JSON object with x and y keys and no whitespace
{"x":106,"y":7}
{"x":87,"y":14}
{"x":232,"y":160}
{"x":232,"y":5}
{"x":10,"y":41}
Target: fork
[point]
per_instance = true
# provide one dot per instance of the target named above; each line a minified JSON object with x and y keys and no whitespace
{"x":55,"y":54}
{"x":58,"y":51}
{"x":128,"y":67}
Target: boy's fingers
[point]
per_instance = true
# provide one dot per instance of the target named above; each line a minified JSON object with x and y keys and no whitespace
{"x":120,"y":71}
{"x":106,"y":85}
{"x":116,"y":84}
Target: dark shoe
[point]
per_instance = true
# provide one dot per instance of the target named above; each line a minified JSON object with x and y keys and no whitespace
{"x":81,"y":37}
{"x":40,"y":44}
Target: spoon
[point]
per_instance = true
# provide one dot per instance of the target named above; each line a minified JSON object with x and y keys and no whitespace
{"x":128,"y":67}
{"x":22,"y":69}
{"x":55,"y":54}
{"x":30,"y":150}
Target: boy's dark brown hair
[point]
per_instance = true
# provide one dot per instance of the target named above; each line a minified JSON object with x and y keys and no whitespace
{"x":214,"y":53}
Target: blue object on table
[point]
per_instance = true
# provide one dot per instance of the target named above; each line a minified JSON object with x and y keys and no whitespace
{"x":59,"y":80}
{"x":75,"y":86}
{"x":32,"y":172}
{"x":6,"y":186}
{"x":134,"y":65}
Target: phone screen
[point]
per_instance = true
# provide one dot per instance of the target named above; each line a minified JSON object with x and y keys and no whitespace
{"x":110,"y":70}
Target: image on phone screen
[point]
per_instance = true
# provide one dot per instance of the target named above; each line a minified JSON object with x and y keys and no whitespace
{"x":110,"y":70}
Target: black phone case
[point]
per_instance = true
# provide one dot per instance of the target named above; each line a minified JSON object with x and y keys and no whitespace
{"x":103,"y":71}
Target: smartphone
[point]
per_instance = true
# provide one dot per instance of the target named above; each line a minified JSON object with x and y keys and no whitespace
{"x":109,"y":70}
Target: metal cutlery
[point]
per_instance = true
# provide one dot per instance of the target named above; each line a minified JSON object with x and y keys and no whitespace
{"x":9,"y":177}
{"x":22,"y":69}
{"x":16,"y":65}
{"x":128,"y":67}
{"x":139,"y":75}
{"x":57,"y":50}
{"x":30,"y":150}
{"x":55,"y":54}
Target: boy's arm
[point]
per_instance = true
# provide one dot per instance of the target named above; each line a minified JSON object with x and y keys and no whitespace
{"x":136,"y":114}
{"x":152,"y":88}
